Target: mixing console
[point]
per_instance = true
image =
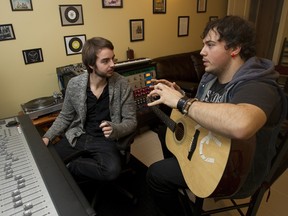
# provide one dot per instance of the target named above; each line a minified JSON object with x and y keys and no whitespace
{"x":140,"y":79}
{"x":31,"y":180}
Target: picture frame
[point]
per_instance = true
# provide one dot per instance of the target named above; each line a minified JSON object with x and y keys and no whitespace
{"x":21,"y":5}
{"x":212,"y":18}
{"x":7,"y":32}
{"x":74,"y":44}
{"x":32,"y":56}
{"x":201,"y":6}
{"x":71,"y":15}
{"x":112,"y":3}
{"x":159,"y":6}
{"x":136,"y":30}
{"x":183,"y":26}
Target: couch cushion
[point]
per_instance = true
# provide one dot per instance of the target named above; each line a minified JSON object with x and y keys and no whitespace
{"x":190,"y":88}
{"x":176,"y":67}
{"x":198,"y":64}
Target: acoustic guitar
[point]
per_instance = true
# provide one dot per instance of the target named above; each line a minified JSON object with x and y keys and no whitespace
{"x":212,"y":165}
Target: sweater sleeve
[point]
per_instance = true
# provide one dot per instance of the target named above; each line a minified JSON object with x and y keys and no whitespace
{"x":122,"y":110}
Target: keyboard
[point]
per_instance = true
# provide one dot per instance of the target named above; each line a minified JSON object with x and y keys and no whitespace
{"x":132,"y":62}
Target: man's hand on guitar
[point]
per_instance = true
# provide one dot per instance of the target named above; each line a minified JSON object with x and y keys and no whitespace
{"x":168,"y":83}
{"x":167,"y":92}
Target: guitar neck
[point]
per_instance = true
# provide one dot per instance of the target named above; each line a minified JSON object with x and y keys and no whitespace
{"x":166,"y":119}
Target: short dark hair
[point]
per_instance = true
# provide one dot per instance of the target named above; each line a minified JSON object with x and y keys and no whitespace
{"x":235,"y":31}
{"x":91,"y":48}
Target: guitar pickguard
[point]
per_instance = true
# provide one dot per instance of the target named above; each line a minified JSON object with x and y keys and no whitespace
{"x":206,"y":140}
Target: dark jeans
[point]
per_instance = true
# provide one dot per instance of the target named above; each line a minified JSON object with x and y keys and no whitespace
{"x":99,"y":158}
{"x":164,"y":178}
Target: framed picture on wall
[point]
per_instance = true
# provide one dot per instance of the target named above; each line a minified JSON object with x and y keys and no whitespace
{"x":183,"y":26}
{"x":74,"y":44}
{"x":32,"y":56}
{"x":201,"y":6}
{"x":136,"y":30}
{"x":71,"y":15}
{"x":21,"y":5}
{"x":6,"y":32}
{"x":112,"y":3}
{"x":159,"y":6}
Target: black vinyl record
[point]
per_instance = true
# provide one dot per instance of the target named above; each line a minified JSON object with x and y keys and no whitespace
{"x":71,"y":14}
{"x":75,"y":44}
{"x":39,"y":103}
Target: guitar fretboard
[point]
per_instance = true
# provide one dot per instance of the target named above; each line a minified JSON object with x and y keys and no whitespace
{"x":161,"y":115}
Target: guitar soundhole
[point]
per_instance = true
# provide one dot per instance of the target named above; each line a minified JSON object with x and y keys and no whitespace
{"x":179,"y":132}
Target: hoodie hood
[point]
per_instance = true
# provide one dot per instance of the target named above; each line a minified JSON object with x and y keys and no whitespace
{"x":253,"y":68}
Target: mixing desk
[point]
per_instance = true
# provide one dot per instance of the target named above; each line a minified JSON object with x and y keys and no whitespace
{"x":33,"y":179}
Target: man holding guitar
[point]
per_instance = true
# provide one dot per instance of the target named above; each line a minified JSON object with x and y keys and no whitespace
{"x":237,"y":111}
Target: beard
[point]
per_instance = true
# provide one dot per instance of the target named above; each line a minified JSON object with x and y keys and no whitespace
{"x":104,"y":74}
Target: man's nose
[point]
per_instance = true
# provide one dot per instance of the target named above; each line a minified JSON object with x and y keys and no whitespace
{"x":112,"y":63}
{"x":202,"y":52}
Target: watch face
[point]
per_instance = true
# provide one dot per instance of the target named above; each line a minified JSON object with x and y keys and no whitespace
{"x":71,"y":14}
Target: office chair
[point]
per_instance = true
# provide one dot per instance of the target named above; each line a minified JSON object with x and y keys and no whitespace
{"x":125,"y":151}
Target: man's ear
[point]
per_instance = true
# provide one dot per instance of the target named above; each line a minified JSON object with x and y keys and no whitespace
{"x":235,"y":51}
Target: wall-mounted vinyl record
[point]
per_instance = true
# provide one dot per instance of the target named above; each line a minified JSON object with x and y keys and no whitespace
{"x":71,"y":15}
{"x":74,"y":44}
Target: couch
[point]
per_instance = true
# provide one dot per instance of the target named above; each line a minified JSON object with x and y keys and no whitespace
{"x":186,"y":69}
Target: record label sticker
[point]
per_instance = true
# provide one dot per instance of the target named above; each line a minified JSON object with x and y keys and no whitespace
{"x":75,"y":44}
{"x":72,"y":14}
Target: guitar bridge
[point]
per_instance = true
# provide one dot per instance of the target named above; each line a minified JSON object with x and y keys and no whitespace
{"x":193,"y":145}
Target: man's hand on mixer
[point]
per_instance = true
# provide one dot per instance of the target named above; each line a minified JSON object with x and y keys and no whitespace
{"x":46,"y":140}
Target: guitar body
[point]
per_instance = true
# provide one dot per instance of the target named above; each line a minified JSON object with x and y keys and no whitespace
{"x":217,"y":166}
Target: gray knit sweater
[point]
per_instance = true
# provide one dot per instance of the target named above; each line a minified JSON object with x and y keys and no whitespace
{"x":72,"y":117}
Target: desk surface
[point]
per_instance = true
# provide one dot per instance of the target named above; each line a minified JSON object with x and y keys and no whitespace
{"x":45,"y":119}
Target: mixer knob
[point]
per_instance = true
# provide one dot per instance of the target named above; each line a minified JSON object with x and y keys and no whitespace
{"x":28,"y":206}
{"x":27,"y":213}
{"x":21,"y":185}
{"x":15,"y":192}
{"x":17,"y":177}
{"x":15,"y":159}
{"x":9,"y":175}
{"x":16,"y":198}
{"x":18,"y":203}
{"x":9,"y":171}
{"x":21,"y":181}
